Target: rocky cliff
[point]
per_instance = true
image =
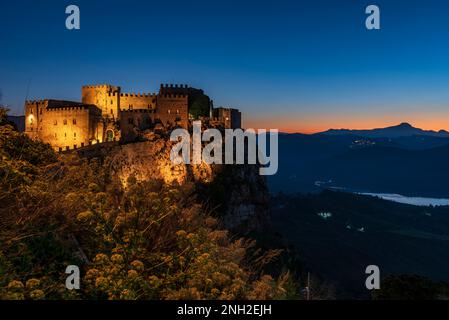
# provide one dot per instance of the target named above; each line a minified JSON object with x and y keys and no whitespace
{"x":237,"y":194}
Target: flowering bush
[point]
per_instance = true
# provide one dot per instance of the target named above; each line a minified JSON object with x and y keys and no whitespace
{"x":149,"y":240}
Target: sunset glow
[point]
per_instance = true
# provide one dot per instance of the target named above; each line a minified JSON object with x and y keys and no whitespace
{"x":317,"y":123}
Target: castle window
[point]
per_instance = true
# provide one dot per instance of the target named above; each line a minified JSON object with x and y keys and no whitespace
{"x":74,"y":134}
{"x":177,"y":111}
{"x":111,"y":101}
{"x":55,"y":122}
{"x":65,"y":121}
{"x":65,"y":134}
{"x":112,"y":111}
{"x":74,"y":121}
{"x":130,"y":120}
{"x":56,"y":135}
{"x":169,"y":111}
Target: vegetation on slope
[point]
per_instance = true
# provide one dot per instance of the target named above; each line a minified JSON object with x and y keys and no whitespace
{"x":149,"y":240}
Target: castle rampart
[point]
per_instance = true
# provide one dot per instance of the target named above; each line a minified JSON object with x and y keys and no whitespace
{"x":107,"y":114}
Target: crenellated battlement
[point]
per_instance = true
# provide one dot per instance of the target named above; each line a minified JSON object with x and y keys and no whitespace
{"x":97,"y":86}
{"x":174,"y":86}
{"x":27,"y":102}
{"x":137,"y":110}
{"x":66,"y":108}
{"x":136,"y":95}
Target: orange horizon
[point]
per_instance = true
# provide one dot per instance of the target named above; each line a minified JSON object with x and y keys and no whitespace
{"x":310,"y":125}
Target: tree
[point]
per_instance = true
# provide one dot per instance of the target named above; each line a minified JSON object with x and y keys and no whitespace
{"x":200,"y":106}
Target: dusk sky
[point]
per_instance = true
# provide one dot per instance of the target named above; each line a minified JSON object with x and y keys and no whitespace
{"x":299,"y":66}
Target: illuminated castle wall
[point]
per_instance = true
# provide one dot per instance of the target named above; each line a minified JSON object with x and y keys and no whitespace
{"x":107,"y":114}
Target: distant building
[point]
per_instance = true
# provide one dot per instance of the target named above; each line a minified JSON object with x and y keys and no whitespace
{"x":231,"y":118}
{"x":107,"y":114}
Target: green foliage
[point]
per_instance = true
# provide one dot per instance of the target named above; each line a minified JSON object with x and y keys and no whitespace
{"x":199,"y":107}
{"x":146,"y":241}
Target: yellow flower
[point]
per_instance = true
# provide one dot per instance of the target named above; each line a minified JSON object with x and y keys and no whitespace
{"x":132,"y":274}
{"x":37,"y":294}
{"x":15,"y":284}
{"x":84,"y":216}
{"x":115,"y":270}
{"x":101,"y":258}
{"x":91,"y":273}
{"x":137,"y":264}
{"x":32,"y":283}
{"x":126,"y":295}
{"x":101,"y":282}
{"x":117,"y":258}
{"x":181,"y":233}
{"x":154,"y":281}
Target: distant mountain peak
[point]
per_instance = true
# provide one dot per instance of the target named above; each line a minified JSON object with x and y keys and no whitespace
{"x":405,"y":125}
{"x":403,"y":129}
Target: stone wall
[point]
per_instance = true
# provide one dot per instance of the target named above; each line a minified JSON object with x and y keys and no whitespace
{"x":172,"y":109}
{"x":63,"y":124}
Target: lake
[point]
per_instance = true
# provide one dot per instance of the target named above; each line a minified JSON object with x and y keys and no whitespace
{"x":416,"y":201}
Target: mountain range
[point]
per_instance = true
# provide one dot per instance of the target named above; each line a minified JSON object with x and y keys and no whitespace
{"x":402,"y":130}
{"x":400,"y":159}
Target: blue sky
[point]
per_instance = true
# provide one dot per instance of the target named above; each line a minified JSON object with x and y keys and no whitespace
{"x":292,"y":65}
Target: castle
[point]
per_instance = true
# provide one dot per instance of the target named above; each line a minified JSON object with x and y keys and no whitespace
{"x":107,"y":114}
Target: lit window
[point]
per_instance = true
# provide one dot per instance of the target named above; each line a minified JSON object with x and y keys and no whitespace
{"x":168,"y":111}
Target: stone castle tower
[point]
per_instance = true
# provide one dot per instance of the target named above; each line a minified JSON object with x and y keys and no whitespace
{"x":106,"y":114}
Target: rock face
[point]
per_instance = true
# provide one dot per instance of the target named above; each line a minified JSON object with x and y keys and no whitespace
{"x":237,"y":193}
{"x":245,"y":208}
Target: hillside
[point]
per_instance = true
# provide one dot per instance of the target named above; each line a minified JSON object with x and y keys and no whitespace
{"x":135,"y":232}
{"x":360,"y":231}
{"x":408,"y":165}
